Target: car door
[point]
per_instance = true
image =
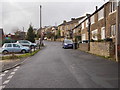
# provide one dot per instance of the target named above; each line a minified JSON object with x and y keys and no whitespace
{"x":22,"y":42}
{"x":26,"y":43}
{"x":9,"y":48}
{"x":16,"y":48}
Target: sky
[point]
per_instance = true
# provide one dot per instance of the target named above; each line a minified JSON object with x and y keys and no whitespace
{"x":16,"y":14}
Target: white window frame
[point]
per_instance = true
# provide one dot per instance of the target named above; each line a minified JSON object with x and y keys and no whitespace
{"x":83,"y":37}
{"x":112,"y":7}
{"x":113,"y":31}
{"x":92,"y":19}
{"x":101,"y":14}
{"x":74,"y":31}
{"x":87,"y":23}
{"x":103,"y":33}
{"x":82,"y":25}
{"x":95,"y":32}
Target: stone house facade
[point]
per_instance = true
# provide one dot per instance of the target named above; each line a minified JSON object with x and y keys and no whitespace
{"x":66,"y":28}
{"x":102,"y":25}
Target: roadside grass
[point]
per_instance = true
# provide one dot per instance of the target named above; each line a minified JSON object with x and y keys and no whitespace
{"x":19,"y":56}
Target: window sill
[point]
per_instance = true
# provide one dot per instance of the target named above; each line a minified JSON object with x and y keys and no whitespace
{"x":92,"y":23}
{"x":112,"y":12}
{"x":101,"y":18}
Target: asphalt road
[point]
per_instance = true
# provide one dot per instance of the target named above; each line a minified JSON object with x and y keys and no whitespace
{"x":55,"y":67}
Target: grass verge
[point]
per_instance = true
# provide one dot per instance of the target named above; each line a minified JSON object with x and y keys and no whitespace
{"x":19,"y":56}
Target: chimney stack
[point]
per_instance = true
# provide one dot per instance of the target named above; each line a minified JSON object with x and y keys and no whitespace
{"x":96,"y":8}
{"x":72,"y":19}
{"x":64,"y":21}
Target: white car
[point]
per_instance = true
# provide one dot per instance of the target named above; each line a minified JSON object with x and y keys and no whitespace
{"x":27,"y":43}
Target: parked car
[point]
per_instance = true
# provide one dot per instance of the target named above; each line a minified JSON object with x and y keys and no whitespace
{"x":27,"y":43}
{"x":14,"y":47}
{"x":67,"y":43}
{"x":45,"y":38}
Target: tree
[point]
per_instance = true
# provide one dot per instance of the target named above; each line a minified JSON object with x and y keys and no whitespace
{"x":31,"y":34}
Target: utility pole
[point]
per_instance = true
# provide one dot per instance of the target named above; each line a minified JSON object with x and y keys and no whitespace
{"x":40,"y":17}
{"x":23,"y":29}
{"x":89,"y":24}
{"x":41,"y":33}
{"x":117,"y":28}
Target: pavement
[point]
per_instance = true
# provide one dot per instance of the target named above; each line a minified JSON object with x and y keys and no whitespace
{"x":55,"y":67}
{"x":12,"y":63}
{"x":9,"y":64}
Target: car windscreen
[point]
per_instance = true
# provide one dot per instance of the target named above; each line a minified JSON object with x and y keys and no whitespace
{"x":68,"y":41}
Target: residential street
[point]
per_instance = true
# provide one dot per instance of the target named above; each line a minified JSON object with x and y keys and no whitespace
{"x":55,"y":67}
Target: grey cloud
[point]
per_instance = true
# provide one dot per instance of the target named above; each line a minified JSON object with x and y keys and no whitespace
{"x":19,"y":14}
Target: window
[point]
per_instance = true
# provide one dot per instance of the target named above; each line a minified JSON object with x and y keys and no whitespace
{"x":113,"y":30}
{"x":74,"y":31}
{"x":92,"y":19}
{"x":83,"y":25}
{"x":101,"y":14}
{"x":83,"y":37}
{"x":113,"y":6}
{"x":9,"y":45}
{"x":95,"y":34}
{"x":103,"y":33}
{"x":15,"y":45}
{"x":25,"y":42}
{"x":87,"y":23}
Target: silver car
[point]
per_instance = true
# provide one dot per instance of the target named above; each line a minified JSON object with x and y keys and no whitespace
{"x":14,"y":47}
{"x":27,"y":43}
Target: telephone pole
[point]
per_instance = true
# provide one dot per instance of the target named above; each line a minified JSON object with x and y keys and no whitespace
{"x":117,"y":25}
{"x":40,"y":17}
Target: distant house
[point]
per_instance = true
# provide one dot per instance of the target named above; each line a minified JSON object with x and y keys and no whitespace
{"x":35,"y":30}
{"x":1,"y":36}
{"x":20,"y":35}
{"x":66,"y":28}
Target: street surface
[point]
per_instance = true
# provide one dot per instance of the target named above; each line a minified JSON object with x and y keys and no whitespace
{"x":55,"y":67}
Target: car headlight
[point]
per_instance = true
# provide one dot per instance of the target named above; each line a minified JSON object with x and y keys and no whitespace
{"x":65,"y":43}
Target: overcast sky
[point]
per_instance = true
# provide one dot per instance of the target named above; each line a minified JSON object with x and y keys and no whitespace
{"x":20,"y":13}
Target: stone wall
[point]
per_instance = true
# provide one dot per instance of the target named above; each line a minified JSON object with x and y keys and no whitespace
{"x":103,"y":48}
{"x":83,"y":46}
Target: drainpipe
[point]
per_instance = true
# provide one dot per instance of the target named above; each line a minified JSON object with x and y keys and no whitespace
{"x":117,"y":28}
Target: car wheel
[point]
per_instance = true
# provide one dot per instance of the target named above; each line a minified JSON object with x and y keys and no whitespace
{"x":23,"y":51}
{"x":5,"y":52}
{"x":64,"y":47}
{"x":32,"y":47}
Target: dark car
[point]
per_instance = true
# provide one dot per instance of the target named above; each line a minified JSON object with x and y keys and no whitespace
{"x":67,"y":44}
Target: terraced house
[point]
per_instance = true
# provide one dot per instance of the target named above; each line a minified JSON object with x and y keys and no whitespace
{"x":102,"y":28}
{"x":67,"y":27}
